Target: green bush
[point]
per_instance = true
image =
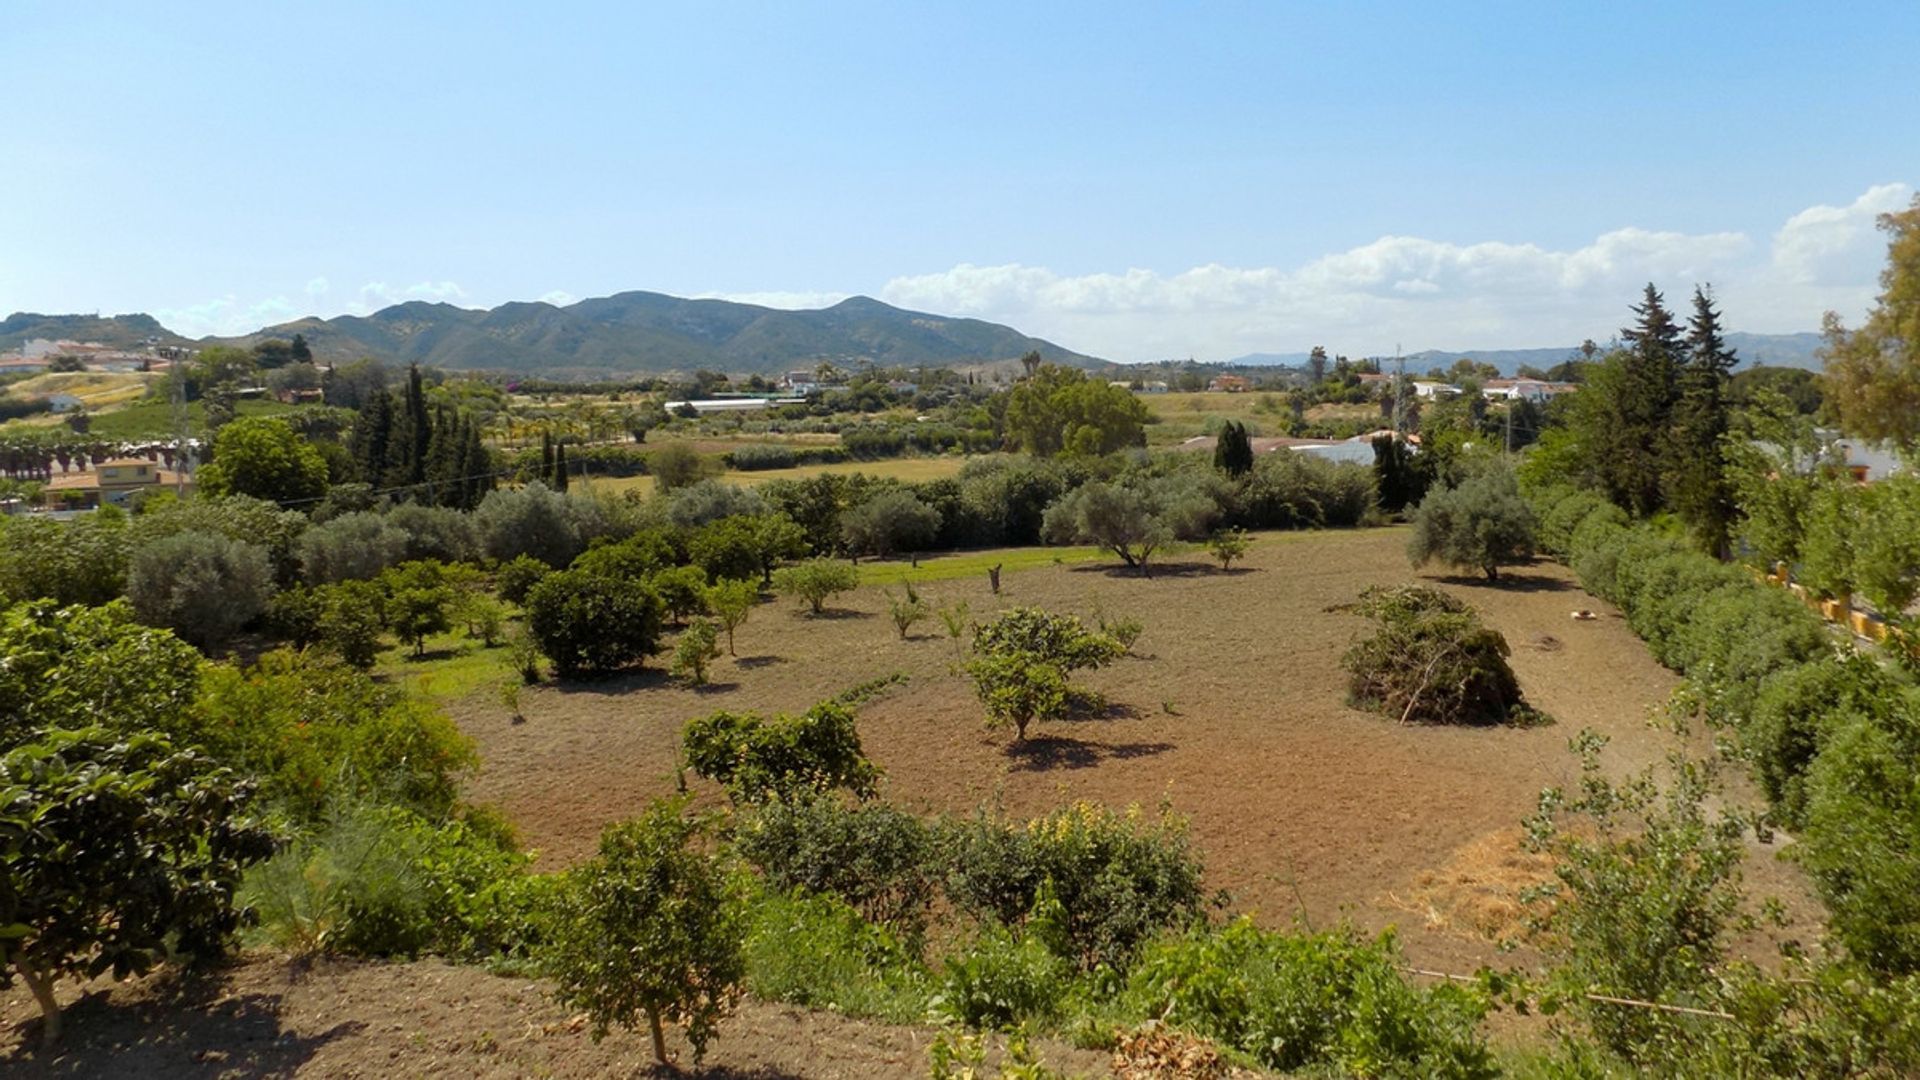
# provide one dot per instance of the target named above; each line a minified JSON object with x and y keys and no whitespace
{"x":202,"y":586}
{"x":1002,"y":980}
{"x":1021,"y":661}
{"x":1861,"y":843}
{"x":74,"y":667}
{"x":517,"y":576}
{"x":877,"y":858}
{"x":816,"y":951}
{"x":1483,"y":524}
{"x":757,"y":757}
{"x":588,"y":624}
{"x":816,"y":580}
{"x":1119,"y":877}
{"x":1331,"y":1000}
{"x":1795,"y":709}
{"x":1431,"y":661}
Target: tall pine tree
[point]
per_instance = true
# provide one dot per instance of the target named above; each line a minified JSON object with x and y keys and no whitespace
{"x":1639,"y":408}
{"x":1698,"y":487}
{"x":372,"y":437}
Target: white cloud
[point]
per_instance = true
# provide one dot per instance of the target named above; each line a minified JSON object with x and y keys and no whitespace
{"x":226,"y":316}
{"x":1420,"y":293}
{"x":318,"y":287}
{"x":559,"y":298}
{"x":1832,"y":244}
{"x":375,"y":295}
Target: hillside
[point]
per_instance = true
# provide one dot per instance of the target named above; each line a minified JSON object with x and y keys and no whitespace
{"x":121,"y":331}
{"x":651,"y":332}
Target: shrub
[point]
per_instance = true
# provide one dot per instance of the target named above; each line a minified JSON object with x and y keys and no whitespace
{"x":119,"y":850}
{"x":710,"y":500}
{"x":351,"y":621}
{"x":1563,"y":516}
{"x":1118,"y":878}
{"x":757,"y":758}
{"x":1483,"y":524}
{"x":1228,"y":545}
{"x":676,"y":465}
{"x":435,"y":532}
{"x":1331,"y":1000}
{"x":1645,"y":886}
{"x":888,"y":522}
{"x":201,"y":586}
{"x":592,"y":625}
{"x":1794,"y":710}
{"x":1125,"y":521}
{"x":877,"y":858}
{"x":1860,"y":845}
{"x":351,"y":547}
{"x":294,"y":615}
{"x":1738,"y":636}
{"x":1431,"y":661}
{"x":905,"y":610}
{"x":682,"y":590}
{"x":70,"y":562}
{"x":1299,"y":491}
{"x":817,"y":952}
{"x":1002,"y":980}
{"x":1022,"y":660}
{"x":641,"y":555}
{"x":534,"y":521}
{"x":698,"y":644}
{"x":816,"y":580}
{"x":517,"y":576}
{"x":651,"y":928}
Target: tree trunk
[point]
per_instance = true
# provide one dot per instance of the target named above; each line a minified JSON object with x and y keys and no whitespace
{"x":659,"y":1038}
{"x":1493,"y":573}
{"x":42,"y":987}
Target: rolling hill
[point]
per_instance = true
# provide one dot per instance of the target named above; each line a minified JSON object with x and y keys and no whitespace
{"x":1780,"y":350}
{"x":627,"y":333}
{"x":635,"y":332}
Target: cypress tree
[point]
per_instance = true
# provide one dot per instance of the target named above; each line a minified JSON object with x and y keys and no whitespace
{"x":441,"y":468}
{"x":419,"y":428}
{"x":560,"y":467}
{"x":1233,"y":450}
{"x":372,"y":435}
{"x":1697,"y":483}
{"x":546,"y":458}
{"x":477,"y":467}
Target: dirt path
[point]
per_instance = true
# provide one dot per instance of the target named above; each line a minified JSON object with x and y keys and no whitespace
{"x":267,"y":1017}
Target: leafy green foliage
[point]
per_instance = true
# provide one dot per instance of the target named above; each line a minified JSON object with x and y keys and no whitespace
{"x":1118,"y":878}
{"x":114,"y":847}
{"x":76,"y":562}
{"x":1645,"y":889}
{"x":877,"y":858}
{"x":746,"y":547}
{"x":75,"y":667}
{"x":731,"y":602}
{"x":1060,"y":410}
{"x":1331,"y":1000}
{"x":905,"y":610}
{"x":816,"y":951}
{"x":517,"y":576}
{"x":351,"y":547}
{"x":419,"y":602}
{"x":696,"y":647}
{"x":1431,"y":661}
{"x":1860,"y":843}
{"x":652,"y":928}
{"x":262,"y":456}
{"x":1129,"y":521}
{"x":758,"y":757}
{"x":1873,"y":373}
{"x":1022,"y":659}
{"x":201,"y":586}
{"x":588,"y":624}
{"x":1228,"y":545}
{"x":351,"y":621}
{"x":1482,"y":524}
{"x":888,"y":522}
{"x":816,"y":581}
{"x":1004,"y":979}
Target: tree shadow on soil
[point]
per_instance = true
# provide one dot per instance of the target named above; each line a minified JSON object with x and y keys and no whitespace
{"x":752,"y":663}
{"x":1085,"y":706}
{"x":720,"y":1072}
{"x":1046,"y":752}
{"x":1154,"y":570}
{"x":1508,"y":581}
{"x":832,"y":613}
{"x":608,"y":685}
{"x":190,"y":1030}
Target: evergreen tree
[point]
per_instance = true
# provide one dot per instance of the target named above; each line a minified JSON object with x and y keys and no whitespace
{"x":560,"y":467}
{"x":1317,"y":364}
{"x":1633,"y":437}
{"x":546,"y":458}
{"x":1698,"y":486}
{"x":373,"y":436}
{"x":298,"y":351}
{"x":1233,"y":450}
{"x":477,"y":466}
{"x":419,"y":430}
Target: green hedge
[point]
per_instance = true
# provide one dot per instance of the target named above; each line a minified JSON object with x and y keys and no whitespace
{"x":1832,"y":734}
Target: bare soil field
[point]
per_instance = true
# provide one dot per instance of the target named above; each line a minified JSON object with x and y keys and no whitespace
{"x":344,"y":1018}
{"x":1233,"y":713}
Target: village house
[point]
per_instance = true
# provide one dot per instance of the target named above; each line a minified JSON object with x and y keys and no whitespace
{"x":114,"y":481}
{"x":1535,"y":391}
{"x":1232,"y":384}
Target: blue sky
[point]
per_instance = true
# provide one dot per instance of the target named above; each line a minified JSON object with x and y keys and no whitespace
{"x":1133,"y":181}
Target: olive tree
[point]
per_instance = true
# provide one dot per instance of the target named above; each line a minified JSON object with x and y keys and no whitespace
{"x":890,"y":521}
{"x":351,"y":547}
{"x":201,"y":586}
{"x":1482,"y":524}
{"x":651,"y":929}
{"x":118,"y":850}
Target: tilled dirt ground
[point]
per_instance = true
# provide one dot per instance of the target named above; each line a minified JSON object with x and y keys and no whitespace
{"x":1234,"y":714}
{"x":268,"y":1017}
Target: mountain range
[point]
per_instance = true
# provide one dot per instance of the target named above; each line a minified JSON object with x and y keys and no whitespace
{"x":627,"y":333}
{"x":1753,"y":350}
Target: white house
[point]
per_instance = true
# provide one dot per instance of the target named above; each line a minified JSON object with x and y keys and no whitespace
{"x":1437,"y":391}
{"x":1532,"y":390}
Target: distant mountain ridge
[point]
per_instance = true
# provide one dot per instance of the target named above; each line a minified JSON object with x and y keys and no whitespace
{"x":627,"y":333}
{"x":1779,"y":350}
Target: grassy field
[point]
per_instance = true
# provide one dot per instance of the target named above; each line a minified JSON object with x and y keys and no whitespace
{"x":911,"y":469}
{"x":154,"y":419}
{"x":1182,"y":416}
